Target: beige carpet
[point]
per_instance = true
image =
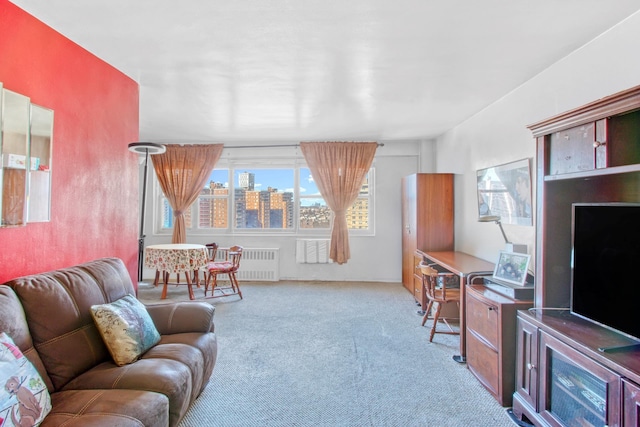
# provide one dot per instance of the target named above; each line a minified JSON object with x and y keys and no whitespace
{"x":332,"y":354}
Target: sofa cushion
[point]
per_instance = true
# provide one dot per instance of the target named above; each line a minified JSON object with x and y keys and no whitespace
{"x":108,"y":408}
{"x":70,"y":345}
{"x":126,"y":328}
{"x":24,"y":398}
{"x":169,"y":377}
{"x":14,"y":323}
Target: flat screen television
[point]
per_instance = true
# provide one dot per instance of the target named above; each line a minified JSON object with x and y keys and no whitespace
{"x":605,"y":287}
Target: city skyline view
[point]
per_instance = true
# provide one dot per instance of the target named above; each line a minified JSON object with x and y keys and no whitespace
{"x":280,"y":179}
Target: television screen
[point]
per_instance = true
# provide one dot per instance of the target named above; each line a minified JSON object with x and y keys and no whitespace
{"x":606,"y":250}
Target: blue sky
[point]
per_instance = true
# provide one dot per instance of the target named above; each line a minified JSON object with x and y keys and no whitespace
{"x":282,"y":179}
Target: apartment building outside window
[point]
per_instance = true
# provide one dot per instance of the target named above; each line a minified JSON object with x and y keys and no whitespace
{"x":278,"y":199}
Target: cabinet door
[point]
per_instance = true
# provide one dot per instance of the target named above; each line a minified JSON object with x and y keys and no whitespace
{"x":630,"y":404}
{"x":527,"y":363}
{"x":575,"y":390}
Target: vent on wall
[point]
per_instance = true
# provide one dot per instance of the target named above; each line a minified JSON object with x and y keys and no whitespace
{"x":257,"y":264}
{"x":312,"y":251}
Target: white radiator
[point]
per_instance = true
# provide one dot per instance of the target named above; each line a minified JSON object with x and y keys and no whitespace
{"x":256,"y":264}
{"x":312,"y":251}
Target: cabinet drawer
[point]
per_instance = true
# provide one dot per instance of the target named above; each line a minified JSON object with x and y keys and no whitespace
{"x":483,"y":363}
{"x":483,"y":318}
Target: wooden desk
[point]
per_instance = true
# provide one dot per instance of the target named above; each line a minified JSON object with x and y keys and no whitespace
{"x":176,"y":258}
{"x":463,"y":265}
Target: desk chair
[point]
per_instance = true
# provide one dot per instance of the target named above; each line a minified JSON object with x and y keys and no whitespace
{"x":229,"y":266}
{"x":435,"y":286}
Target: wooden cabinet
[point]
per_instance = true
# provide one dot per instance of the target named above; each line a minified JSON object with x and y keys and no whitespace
{"x":630,"y":404}
{"x":427,"y":222}
{"x":564,"y":380}
{"x":417,"y":289}
{"x":587,"y":155}
{"x":526,"y":380}
{"x":491,"y":339}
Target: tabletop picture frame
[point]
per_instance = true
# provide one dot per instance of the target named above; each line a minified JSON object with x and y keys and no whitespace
{"x":512,"y":267}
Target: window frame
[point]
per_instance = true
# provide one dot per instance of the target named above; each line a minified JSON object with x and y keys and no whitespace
{"x":234,"y":165}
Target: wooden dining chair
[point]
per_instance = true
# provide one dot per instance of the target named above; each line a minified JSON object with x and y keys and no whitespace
{"x":438,"y":291}
{"x":228,"y":266}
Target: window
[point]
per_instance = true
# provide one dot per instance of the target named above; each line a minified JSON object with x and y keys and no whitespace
{"x":246,"y":198}
{"x":213,"y":202}
{"x":315,"y":214}
{"x":263,"y":198}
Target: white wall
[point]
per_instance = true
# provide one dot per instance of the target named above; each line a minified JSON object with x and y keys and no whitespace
{"x":498,"y":134}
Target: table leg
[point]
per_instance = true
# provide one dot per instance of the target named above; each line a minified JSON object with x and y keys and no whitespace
{"x":191,"y":296}
{"x":165,"y":280}
{"x":462,"y":357}
{"x":196,"y":277}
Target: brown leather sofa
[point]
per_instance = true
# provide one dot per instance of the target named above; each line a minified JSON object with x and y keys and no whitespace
{"x":48,"y":316}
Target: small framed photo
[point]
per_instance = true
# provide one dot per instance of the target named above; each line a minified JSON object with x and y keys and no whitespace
{"x":512,"y":268}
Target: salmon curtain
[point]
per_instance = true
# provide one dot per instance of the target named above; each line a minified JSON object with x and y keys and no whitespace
{"x":183,"y":172}
{"x":339,"y":169}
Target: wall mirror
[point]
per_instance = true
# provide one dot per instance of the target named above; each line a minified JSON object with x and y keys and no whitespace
{"x":41,"y":136}
{"x":14,"y":142}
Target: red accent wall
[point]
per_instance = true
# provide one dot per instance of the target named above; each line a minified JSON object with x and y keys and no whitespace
{"x":95,"y":198}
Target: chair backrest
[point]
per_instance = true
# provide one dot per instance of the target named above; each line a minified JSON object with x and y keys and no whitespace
{"x":212,"y":248}
{"x":235,"y":254}
{"x":435,"y":289}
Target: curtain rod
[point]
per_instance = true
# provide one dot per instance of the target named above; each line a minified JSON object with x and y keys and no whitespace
{"x":272,"y":146}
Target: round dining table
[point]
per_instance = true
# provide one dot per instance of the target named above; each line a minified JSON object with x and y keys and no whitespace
{"x":176,"y":258}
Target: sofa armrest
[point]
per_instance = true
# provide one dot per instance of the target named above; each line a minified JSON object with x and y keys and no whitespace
{"x":179,"y":317}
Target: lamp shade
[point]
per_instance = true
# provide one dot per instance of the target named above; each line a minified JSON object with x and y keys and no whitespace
{"x":147,"y":148}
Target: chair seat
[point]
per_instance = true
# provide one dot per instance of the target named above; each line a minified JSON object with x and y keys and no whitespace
{"x":220,"y":267}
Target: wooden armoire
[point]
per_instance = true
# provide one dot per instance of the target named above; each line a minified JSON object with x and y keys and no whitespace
{"x":427,"y":223}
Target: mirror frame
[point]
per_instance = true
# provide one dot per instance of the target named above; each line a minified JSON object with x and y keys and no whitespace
{"x":14,"y":149}
{"x":41,"y":150}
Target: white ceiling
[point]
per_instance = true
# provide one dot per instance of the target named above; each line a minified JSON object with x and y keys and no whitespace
{"x":238,"y":71}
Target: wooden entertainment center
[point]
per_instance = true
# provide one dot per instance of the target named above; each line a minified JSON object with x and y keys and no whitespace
{"x":587,"y":155}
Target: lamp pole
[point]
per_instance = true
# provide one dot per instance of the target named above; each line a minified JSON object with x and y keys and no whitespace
{"x":145,"y":148}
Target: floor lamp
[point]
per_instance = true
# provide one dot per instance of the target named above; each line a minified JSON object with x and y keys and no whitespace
{"x":147,"y":149}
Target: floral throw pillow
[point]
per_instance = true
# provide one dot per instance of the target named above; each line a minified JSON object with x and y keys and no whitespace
{"x":24,"y":398}
{"x":126,"y":328}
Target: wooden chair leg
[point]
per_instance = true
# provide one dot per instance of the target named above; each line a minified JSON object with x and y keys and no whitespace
{"x":435,"y":322}
{"x":236,"y":285}
{"x":426,"y":312}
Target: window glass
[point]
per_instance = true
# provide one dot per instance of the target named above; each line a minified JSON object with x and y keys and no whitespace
{"x":314,"y":212}
{"x":245,"y":198}
{"x":263,"y":198}
{"x":213,"y":202}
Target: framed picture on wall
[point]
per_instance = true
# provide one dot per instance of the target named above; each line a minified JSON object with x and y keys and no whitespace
{"x":505,"y":191}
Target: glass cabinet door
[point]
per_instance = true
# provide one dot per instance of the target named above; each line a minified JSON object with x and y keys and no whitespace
{"x":575,"y":390}
{"x":15,"y":155}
